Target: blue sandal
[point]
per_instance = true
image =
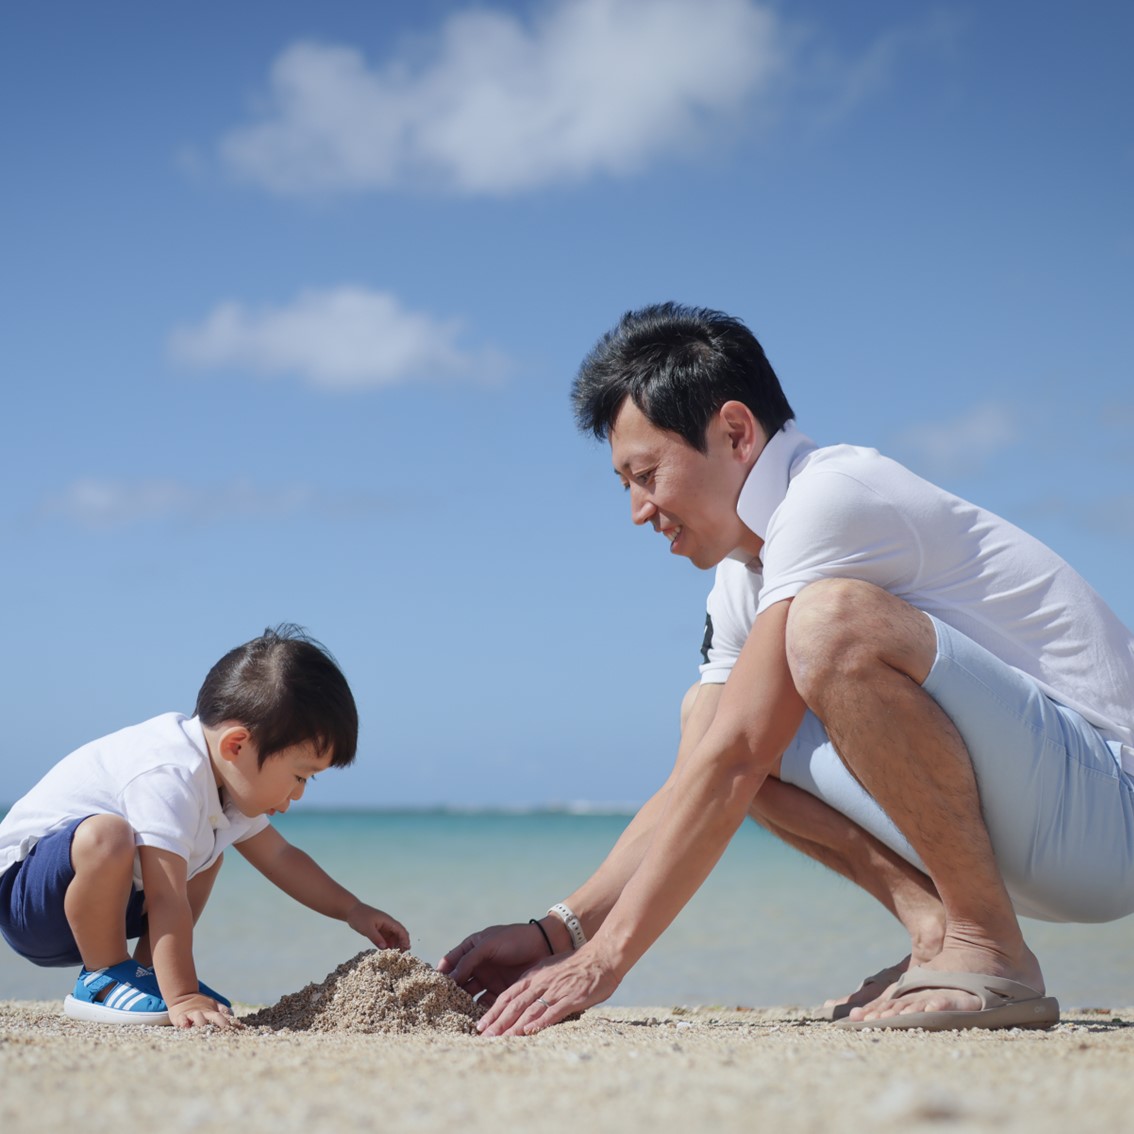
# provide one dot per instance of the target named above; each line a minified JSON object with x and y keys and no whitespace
{"x":150,"y":976}
{"x":125,"y":993}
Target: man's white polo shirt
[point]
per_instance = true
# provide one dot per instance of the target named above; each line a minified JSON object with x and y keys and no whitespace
{"x":848,"y":512}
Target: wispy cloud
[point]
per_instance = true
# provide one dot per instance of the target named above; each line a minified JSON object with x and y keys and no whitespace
{"x":961,"y":445}
{"x":1113,"y":515}
{"x":495,"y":104}
{"x":1109,"y":515}
{"x":838,"y":85}
{"x":343,"y":338}
{"x":1117,"y":414}
{"x":104,"y":505}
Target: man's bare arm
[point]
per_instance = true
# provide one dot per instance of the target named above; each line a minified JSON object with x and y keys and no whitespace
{"x":758,"y":713}
{"x":592,"y":901}
{"x":493,"y":958}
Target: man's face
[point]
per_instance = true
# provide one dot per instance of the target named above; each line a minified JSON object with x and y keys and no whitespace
{"x":687,"y":496}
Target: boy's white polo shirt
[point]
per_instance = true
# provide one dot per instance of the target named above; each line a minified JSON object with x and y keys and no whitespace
{"x":848,"y":512}
{"x":156,"y":775}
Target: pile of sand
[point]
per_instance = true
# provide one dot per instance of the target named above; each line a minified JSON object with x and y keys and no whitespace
{"x":377,"y":991}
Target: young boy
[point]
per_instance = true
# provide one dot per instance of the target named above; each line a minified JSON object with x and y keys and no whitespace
{"x":124,"y":837}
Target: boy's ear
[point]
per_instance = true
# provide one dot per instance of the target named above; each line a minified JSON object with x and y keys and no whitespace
{"x":232,"y":741}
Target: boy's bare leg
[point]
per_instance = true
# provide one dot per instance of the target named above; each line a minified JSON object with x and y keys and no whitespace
{"x":859,"y":656}
{"x":198,"y":889}
{"x":829,"y":837}
{"x":102,"y":855}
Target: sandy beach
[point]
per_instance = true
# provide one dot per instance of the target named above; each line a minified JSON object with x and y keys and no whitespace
{"x":613,"y":1070}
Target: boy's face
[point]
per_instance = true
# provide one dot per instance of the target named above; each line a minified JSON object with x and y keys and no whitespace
{"x":272,"y":788}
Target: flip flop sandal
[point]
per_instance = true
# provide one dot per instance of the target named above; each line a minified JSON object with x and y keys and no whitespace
{"x":883,"y":978}
{"x":1004,"y":1004}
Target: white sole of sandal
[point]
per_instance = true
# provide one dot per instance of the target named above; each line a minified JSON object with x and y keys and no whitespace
{"x":101,"y":1014}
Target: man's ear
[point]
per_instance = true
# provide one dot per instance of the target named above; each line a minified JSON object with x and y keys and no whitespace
{"x":232,"y":741}
{"x":744,"y":432}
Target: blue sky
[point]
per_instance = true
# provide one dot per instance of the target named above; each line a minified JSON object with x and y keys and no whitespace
{"x":293,"y":294}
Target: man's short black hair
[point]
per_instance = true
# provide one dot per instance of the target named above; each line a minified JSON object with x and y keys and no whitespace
{"x":678,"y":365}
{"x":286,"y":689}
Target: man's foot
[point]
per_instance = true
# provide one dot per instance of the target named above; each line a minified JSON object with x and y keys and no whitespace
{"x":921,"y":996}
{"x":873,"y":987}
{"x":924,"y":919}
{"x":1002,"y":1003}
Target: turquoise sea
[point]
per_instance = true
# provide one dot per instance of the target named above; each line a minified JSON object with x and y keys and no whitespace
{"x":768,"y":928}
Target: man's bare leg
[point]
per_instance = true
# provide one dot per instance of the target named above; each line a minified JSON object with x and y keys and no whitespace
{"x":859,"y":656}
{"x":829,"y":837}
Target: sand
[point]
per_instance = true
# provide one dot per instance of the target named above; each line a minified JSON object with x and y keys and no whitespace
{"x":615,"y":1069}
{"x":378,"y":991}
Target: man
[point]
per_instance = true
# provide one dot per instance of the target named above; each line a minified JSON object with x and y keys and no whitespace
{"x":897,"y":682}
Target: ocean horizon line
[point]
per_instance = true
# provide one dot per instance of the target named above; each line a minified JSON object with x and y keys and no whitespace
{"x":573,"y":807}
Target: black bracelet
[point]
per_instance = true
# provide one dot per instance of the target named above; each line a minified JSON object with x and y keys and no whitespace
{"x":535,"y":922}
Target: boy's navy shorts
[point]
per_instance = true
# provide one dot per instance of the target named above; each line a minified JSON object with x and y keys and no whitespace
{"x":32,"y":919}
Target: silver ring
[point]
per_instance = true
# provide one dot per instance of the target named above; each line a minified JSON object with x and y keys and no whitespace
{"x":541,"y":1000}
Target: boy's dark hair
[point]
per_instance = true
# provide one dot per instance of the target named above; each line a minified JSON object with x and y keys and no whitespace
{"x":679,"y":365}
{"x":285,"y":688}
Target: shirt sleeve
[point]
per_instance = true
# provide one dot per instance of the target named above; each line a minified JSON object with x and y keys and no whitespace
{"x":833,"y":525}
{"x":254,"y":826}
{"x":163,"y":807}
{"x":731,"y":610}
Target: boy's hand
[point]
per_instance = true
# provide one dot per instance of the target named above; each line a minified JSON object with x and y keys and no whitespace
{"x":383,"y":930}
{"x":199,"y":1011}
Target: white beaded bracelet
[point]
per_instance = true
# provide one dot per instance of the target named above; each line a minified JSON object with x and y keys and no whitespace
{"x":574,"y":926}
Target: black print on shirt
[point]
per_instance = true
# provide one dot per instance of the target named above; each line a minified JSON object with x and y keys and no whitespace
{"x":707,"y":641}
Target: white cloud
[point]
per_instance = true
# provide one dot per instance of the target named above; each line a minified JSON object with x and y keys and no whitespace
{"x":344,"y":338}
{"x":497,"y":105}
{"x":964,"y":444}
{"x":108,"y":504}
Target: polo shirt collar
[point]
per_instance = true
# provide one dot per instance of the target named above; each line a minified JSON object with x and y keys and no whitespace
{"x":218,"y":820}
{"x":768,"y":480}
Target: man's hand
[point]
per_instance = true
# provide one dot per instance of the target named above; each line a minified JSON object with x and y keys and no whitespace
{"x":551,"y":992}
{"x":381,"y":929}
{"x":494,"y":958}
{"x":199,"y":1011}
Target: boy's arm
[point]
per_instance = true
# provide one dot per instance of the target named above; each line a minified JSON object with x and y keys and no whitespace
{"x":164,"y":878}
{"x":299,"y":876}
